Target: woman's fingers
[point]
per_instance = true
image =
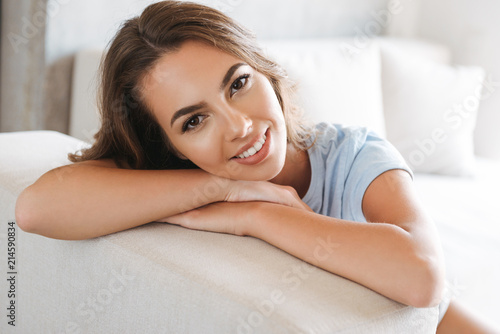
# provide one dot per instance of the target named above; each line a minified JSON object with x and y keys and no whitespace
{"x":246,"y":191}
{"x":222,"y":217}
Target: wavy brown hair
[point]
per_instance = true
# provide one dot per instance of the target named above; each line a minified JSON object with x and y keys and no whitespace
{"x":129,"y":132}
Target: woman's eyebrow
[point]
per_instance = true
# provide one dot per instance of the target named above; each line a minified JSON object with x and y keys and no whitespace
{"x":187,"y":110}
{"x":229,"y":74}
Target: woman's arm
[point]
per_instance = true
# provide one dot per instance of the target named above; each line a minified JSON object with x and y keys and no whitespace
{"x":94,"y":198}
{"x":397,"y":255}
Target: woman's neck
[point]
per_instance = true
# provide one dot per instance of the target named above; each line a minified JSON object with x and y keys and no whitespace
{"x":296,"y":172}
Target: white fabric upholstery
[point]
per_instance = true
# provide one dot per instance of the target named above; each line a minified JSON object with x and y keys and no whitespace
{"x":160,"y":278}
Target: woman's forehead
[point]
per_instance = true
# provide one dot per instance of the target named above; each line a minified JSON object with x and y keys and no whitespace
{"x":193,"y":61}
{"x":185,"y":76}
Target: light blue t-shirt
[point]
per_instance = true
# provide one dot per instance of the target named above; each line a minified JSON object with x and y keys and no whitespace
{"x":344,"y":161}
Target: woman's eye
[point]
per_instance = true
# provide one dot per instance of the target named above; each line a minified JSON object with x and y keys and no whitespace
{"x":192,"y":122}
{"x":239,"y":83}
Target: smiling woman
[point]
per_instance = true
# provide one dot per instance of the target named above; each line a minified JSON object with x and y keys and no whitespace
{"x":188,"y":101}
{"x":216,"y":111}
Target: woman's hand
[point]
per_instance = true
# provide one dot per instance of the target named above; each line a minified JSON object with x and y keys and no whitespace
{"x":234,"y":215}
{"x":222,"y":217}
{"x":264,"y":191}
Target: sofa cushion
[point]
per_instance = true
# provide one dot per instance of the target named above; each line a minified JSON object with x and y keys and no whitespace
{"x":333,"y":85}
{"x":430,"y":110}
{"x":26,"y":155}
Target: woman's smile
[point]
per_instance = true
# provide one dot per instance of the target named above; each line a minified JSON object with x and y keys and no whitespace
{"x":257,"y":152}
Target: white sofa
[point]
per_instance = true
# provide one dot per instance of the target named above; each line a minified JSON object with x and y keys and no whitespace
{"x":160,"y":278}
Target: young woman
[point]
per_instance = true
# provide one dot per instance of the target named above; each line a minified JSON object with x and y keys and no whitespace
{"x":189,"y":105}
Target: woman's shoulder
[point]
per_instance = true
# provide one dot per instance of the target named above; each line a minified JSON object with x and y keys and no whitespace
{"x":335,"y":135}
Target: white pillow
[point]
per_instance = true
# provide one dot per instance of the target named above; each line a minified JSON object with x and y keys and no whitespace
{"x":333,"y":85}
{"x":430,"y":111}
{"x":422,"y":48}
{"x":84,"y":119}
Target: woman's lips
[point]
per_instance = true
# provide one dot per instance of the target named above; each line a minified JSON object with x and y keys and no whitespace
{"x":254,"y":149}
{"x":260,"y":155}
{"x":248,"y":146}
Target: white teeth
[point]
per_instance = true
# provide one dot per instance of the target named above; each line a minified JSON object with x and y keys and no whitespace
{"x":254,"y":149}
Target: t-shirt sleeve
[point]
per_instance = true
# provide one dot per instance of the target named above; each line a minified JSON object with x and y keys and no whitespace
{"x":373,"y":157}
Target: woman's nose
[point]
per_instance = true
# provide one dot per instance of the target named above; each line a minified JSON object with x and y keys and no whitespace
{"x":238,"y":125}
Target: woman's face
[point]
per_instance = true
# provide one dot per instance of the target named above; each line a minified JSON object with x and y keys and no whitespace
{"x":218,"y":112}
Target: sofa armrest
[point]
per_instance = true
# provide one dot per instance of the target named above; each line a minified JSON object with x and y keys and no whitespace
{"x":160,"y":278}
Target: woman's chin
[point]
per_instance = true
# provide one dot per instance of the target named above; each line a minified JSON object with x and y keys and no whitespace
{"x":246,"y":174}
{"x":255,"y":177}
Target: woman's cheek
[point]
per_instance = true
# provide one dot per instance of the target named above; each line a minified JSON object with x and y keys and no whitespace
{"x":264,"y":96}
{"x":204,"y":152}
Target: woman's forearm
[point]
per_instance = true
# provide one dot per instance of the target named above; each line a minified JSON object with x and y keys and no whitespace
{"x":85,"y":201}
{"x":383,"y":257}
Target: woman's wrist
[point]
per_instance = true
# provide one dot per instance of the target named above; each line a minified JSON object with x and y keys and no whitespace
{"x":252,"y":220}
{"x":199,"y":189}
